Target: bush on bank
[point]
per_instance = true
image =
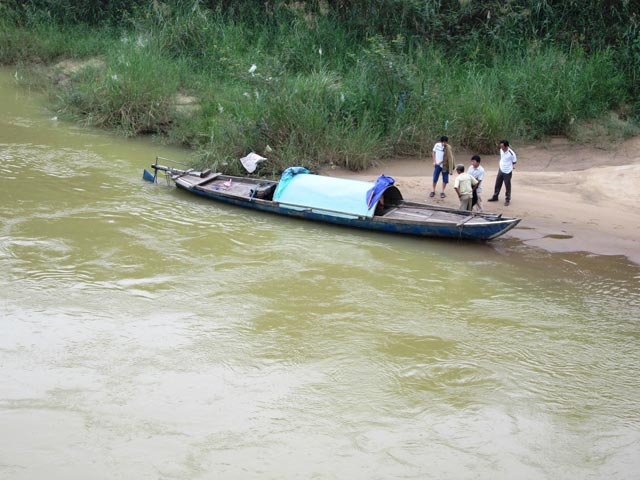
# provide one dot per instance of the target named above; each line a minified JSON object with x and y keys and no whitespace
{"x":332,"y":83}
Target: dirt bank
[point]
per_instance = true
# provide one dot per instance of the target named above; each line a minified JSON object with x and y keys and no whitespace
{"x":571,"y":198}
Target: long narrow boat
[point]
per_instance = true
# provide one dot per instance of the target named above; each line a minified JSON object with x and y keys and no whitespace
{"x":368,"y":205}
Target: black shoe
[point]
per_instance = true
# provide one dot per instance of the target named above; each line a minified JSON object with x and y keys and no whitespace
{"x":493,"y":199}
{"x":506,"y":203}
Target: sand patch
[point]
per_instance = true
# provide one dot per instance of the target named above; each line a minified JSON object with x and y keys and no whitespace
{"x":571,"y":197}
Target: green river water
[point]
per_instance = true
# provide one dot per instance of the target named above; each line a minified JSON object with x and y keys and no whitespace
{"x":148,"y":334}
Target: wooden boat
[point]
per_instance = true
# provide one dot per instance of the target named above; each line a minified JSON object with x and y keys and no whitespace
{"x":368,"y":205}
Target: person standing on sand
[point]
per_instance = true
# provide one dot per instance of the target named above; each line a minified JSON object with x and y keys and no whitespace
{"x":508,"y":161}
{"x":443,"y":160}
{"x":477,"y":172}
{"x":464,"y":185}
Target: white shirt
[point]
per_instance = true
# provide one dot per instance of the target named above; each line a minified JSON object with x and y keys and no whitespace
{"x":507,"y":160}
{"x":478,"y":174}
{"x":464,"y":183}
{"x":438,"y":148}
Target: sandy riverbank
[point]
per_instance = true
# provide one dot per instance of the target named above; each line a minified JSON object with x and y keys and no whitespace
{"x":571,"y":198}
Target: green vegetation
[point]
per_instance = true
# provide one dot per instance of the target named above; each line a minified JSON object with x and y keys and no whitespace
{"x":342,"y":82}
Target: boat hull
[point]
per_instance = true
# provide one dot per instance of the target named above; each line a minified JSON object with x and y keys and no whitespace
{"x":484,"y":231}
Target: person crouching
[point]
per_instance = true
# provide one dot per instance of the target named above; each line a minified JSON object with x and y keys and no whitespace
{"x":464,"y":186}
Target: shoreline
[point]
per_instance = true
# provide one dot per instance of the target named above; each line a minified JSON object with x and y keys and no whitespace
{"x":571,"y":198}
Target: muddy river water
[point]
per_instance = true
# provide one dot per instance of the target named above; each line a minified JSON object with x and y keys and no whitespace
{"x":147,"y":334}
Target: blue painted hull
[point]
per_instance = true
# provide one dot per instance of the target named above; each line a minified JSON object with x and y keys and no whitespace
{"x":457,"y":230}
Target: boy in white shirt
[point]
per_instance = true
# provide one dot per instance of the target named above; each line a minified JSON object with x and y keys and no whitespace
{"x":477,"y":172}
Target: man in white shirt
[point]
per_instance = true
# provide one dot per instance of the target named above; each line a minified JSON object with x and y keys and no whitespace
{"x":440,"y":165}
{"x":508,"y":161}
{"x":477,"y":172}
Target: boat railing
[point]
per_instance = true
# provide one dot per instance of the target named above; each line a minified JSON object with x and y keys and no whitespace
{"x":465,"y":220}
{"x":172,"y":173}
{"x":169,"y":161}
{"x":307,"y":208}
{"x":465,"y":213}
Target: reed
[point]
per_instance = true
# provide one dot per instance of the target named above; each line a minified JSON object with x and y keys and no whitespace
{"x":345,"y":87}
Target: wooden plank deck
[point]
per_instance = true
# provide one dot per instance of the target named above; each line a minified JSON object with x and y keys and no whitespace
{"x":195,"y":181}
{"x":417,"y":214}
{"x":410,"y":213}
{"x":237,"y":188}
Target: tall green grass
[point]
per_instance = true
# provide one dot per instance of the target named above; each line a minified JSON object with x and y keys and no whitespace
{"x":46,"y":42}
{"x":320,"y":93}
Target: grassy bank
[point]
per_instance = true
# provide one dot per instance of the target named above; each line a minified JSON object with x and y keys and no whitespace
{"x":319,"y":93}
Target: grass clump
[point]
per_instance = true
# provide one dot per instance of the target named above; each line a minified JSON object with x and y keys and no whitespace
{"x":613,"y":127}
{"x":132,"y":93}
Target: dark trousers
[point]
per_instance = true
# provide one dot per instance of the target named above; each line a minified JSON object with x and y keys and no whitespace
{"x":506,"y":178}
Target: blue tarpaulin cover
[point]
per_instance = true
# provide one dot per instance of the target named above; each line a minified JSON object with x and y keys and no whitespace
{"x":338,"y":196}
{"x":285,"y":178}
{"x":382,"y":183}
